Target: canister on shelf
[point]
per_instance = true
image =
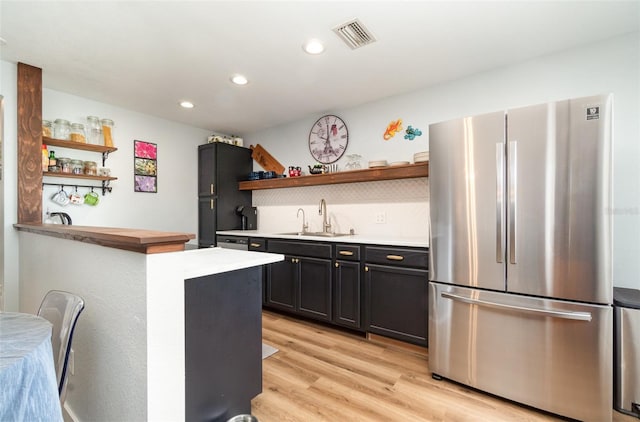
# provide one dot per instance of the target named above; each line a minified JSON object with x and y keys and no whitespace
{"x":77,"y":166}
{"x":90,"y":168}
{"x":107,"y":132}
{"x":77,"y":133}
{"x":64,"y":164}
{"x":61,"y":129}
{"x":94,"y":131}
{"x":47,"y":128}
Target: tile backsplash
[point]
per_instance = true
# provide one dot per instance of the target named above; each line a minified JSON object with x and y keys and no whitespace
{"x":388,"y":207}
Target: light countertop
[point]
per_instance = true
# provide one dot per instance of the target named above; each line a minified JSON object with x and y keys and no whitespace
{"x":205,"y":261}
{"x":420,"y":242}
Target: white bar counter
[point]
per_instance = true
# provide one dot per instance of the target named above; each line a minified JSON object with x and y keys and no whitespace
{"x":129,"y":345}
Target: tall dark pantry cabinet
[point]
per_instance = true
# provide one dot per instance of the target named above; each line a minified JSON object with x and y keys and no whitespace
{"x":220,"y":167}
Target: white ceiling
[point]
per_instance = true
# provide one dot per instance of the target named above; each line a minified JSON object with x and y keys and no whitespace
{"x":149,"y":55}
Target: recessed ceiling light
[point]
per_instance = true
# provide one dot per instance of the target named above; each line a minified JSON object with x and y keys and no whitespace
{"x":313,"y":46}
{"x":186,"y":104}
{"x":239,"y":80}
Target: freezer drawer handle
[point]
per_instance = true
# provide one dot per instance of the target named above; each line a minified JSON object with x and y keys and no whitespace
{"x":395,"y":257}
{"x":579,"y":316}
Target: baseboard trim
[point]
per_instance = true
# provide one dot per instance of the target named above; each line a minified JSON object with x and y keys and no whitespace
{"x":397,"y":344}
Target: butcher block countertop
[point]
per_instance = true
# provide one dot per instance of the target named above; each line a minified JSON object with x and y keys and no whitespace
{"x":136,"y":240}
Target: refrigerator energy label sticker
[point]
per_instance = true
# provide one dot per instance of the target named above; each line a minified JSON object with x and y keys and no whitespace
{"x":593,"y":113}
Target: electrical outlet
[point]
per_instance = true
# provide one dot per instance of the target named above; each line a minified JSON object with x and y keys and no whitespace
{"x":72,"y":367}
{"x":381,"y":217}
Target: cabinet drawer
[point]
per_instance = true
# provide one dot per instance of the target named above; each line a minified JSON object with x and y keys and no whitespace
{"x":257,"y":244}
{"x":310,"y":249}
{"x":348,"y":252}
{"x":405,"y":257}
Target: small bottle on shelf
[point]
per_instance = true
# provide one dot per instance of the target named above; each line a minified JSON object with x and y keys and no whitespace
{"x":45,"y":158}
{"x":53,"y":161}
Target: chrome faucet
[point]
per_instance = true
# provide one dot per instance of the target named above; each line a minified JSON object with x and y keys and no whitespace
{"x":305,"y":225}
{"x":322,"y":210}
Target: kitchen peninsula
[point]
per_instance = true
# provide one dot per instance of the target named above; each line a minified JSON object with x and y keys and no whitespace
{"x":165,"y":335}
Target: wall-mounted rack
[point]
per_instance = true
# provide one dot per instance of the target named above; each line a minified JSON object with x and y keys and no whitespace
{"x":104,"y":188}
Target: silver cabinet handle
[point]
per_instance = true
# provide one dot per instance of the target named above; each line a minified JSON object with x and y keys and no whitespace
{"x":499,"y":200}
{"x":513,"y":193}
{"x":579,"y":316}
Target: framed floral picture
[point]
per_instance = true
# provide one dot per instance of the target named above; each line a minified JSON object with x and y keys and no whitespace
{"x":145,"y":167}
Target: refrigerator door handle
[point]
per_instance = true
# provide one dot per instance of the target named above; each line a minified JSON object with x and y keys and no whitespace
{"x":579,"y":316}
{"x":513,"y":183}
{"x":499,"y":200}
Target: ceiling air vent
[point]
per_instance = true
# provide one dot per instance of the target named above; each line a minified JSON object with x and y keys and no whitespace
{"x":354,"y":34}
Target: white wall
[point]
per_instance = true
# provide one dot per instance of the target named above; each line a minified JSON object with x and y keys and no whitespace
{"x":610,"y":66}
{"x":8,"y":88}
{"x":173,"y":208}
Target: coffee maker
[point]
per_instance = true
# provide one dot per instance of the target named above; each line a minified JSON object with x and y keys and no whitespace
{"x":248,"y":216}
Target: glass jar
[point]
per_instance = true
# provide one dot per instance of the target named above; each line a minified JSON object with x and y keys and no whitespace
{"x":77,"y":133}
{"x":64,"y":164}
{"x":61,"y":129}
{"x":90,"y":168}
{"x":107,"y":132}
{"x":47,"y":128}
{"x":77,"y":167}
{"x":94,"y":131}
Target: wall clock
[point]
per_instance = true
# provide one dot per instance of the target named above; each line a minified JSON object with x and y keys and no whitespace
{"x":328,"y":139}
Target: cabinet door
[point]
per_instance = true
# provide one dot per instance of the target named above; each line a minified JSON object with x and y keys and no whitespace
{"x":314,"y":290}
{"x":347,"y":309}
{"x":206,"y":170}
{"x":397,"y":302}
{"x":282,"y":278}
{"x":206,"y":221}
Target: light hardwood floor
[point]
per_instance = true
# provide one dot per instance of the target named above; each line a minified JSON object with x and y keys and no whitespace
{"x":322,"y":374}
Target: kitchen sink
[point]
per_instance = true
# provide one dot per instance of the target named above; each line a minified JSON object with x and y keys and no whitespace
{"x":318,"y":234}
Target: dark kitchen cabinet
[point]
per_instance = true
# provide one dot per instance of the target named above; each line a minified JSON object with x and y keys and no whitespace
{"x":302,"y":282}
{"x":282,"y":279}
{"x":206,"y":221}
{"x":220,"y":168}
{"x":259,"y":244}
{"x":396,"y":282}
{"x":347,"y":287}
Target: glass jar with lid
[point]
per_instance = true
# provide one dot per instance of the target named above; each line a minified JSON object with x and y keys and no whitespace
{"x":64,"y":164}
{"x":90,"y":168}
{"x":94,"y":131}
{"x":61,"y":129}
{"x":77,"y":166}
{"x":107,"y":132}
{"x":77,"y":133}
{"x":47,"y":128}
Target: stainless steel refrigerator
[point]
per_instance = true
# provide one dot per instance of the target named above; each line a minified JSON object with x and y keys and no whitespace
{"x":520,"y":255}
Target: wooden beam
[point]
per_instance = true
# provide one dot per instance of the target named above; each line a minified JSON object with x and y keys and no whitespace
{"x":29,"y":144}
